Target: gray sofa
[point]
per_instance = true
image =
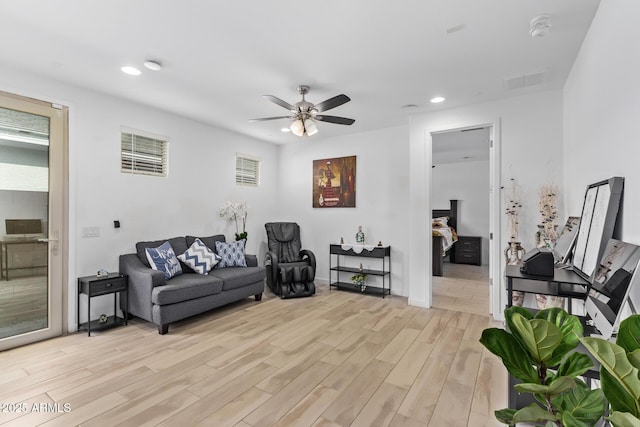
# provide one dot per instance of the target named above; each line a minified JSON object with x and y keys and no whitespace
{"x":163,"y":302}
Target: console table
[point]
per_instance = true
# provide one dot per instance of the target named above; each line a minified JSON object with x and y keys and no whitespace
{"x":382,"y":253}
{"x":564,"y":283}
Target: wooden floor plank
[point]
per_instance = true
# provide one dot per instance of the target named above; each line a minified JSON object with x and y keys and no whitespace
{"x":336,"y":359}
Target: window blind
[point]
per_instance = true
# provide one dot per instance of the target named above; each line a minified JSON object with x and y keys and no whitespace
{"x":247,"y":171}
{"x":143,"y":155}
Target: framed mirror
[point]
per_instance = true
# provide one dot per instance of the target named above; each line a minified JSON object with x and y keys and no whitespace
{"x":597,"y":222}
{"x":614,"y":285}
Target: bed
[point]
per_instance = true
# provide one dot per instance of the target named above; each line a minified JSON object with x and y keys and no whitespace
{"x":444,"y":235}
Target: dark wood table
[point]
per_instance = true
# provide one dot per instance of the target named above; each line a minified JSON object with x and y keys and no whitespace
{"x":564,"y":283}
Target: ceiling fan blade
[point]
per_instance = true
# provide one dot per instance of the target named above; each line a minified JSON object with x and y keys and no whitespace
{"x":264,"y":119}
{"x":330,"y":103}
{"x":280,"y":102}
{"x":335,"y":119}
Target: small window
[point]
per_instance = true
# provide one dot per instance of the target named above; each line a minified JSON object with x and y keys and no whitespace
{"x":247,"y":171}
{"x":143,"y":154}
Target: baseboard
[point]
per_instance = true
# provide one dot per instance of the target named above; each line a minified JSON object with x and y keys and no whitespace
{"x":418,"y":303}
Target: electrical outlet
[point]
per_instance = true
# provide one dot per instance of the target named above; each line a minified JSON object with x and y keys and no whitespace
{"x":91,"y":231}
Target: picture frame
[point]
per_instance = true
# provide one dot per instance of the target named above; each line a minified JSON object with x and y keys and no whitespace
{"x":334,"y":182}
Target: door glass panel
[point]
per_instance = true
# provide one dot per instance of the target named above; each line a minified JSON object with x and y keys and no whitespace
{"x":24,"y":213}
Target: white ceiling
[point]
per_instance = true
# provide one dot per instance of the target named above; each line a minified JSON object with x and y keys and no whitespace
{"x":461,"y":145}
{"x":219,"y":56}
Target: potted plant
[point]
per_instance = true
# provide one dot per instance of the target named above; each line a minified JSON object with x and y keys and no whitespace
{"x":236,"y":212}
{"x":619,"y":371}
{"x":358,"y":280}
{"x":534,"y":345}
{"x":540,"y":352}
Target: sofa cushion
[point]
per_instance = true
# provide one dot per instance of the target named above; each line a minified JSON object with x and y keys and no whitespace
{"x":237,"y":277}
{"x":164,"y":259}
{"x":186,"y":287}
{"x":199,"y":257}
{"x":179,"y":245}
{"x":209,"y":241}
{"x":232,"y":254}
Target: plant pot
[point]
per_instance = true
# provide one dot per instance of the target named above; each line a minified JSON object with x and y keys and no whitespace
{"x":240,"y":236}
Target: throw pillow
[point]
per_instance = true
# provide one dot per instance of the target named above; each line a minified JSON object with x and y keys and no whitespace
{"x":163,"y":258}
{"x":199,"y":257}
{"x":440,"y":222}
{"x":232,"y":254}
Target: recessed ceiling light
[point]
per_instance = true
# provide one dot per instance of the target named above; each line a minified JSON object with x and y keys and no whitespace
{"x":409,"y":107}
{"x":132,"y":71}
{"x":153,"y":65}
{"x":437,"y":100}
{"x":285,"y":130}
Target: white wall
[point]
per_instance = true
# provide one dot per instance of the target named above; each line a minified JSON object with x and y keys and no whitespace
{"x":467,"y":182}
{"x":601,"y":110}
{"x":530,"y":134}
{"x":382,"y":196}
{"x":23,"y":205}
{"x":201,"y":178}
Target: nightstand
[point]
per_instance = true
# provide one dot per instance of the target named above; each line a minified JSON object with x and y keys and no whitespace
{"x":92,"y":286}
{"x":468,"y":250}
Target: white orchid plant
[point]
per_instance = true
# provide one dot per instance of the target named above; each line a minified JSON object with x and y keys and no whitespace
{"x":236,"y":212}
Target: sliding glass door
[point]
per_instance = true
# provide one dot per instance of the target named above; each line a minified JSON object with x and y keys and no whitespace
{"x":32,"y":225}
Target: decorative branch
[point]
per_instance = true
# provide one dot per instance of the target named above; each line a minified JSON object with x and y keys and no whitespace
{"x":547,"y":204}
{"x":512,"y":209}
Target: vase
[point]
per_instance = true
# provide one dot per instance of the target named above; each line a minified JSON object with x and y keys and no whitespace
{"x":540,"y":237}
{"x":513,"y":255}
{"x":542,"y":240}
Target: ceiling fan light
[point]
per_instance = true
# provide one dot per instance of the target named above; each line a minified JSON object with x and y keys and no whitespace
{"x":297,"y":127}
{"x":310,"y":127}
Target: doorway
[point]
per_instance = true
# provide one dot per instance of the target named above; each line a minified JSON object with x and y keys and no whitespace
{"x":461,"y":172}
{"x":33,"y":219}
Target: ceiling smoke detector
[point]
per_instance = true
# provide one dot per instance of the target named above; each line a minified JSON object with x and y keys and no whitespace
{"x":540,"y":26}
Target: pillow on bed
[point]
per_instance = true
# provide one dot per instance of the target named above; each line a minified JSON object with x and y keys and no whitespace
{"x":440,"y":222}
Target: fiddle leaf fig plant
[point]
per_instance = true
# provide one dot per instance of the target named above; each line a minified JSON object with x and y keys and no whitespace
{"x":539,"y":351}
{"x":619,"y":371}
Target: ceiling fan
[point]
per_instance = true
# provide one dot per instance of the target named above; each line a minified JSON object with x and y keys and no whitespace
{"x":304,"y":113}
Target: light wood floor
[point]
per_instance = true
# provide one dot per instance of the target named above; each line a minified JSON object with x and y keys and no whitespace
{"x":336,"y":359}
{"x":23,"y":305}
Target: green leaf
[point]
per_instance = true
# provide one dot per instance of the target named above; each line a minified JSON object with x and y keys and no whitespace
{"x":511,"y":311}
{"x":505,"y":416}
{"x":532,"y":388}
{"x":570,"y":328}
{"x":623,"y":419}
{"x":618,"y":376}
{"x":539,"y":337}
{"x":517,"y":361}
{"x":629,"y":333}
{"x":615,"y":392}
{"x":532,"y":414}
{"x":634,"y":358}
{"x":574,"y":365}
{"x":561,"y":384}
{"x":582,"y":406}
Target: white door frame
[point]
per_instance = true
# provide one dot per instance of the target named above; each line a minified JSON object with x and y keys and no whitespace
{"x":58,"y":226}
{"x":495,"y":252}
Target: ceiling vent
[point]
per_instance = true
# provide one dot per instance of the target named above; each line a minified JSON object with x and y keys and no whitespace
{"x":524,"y":80}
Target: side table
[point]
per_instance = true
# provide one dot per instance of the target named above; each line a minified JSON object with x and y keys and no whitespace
{"x":92,"y":286}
